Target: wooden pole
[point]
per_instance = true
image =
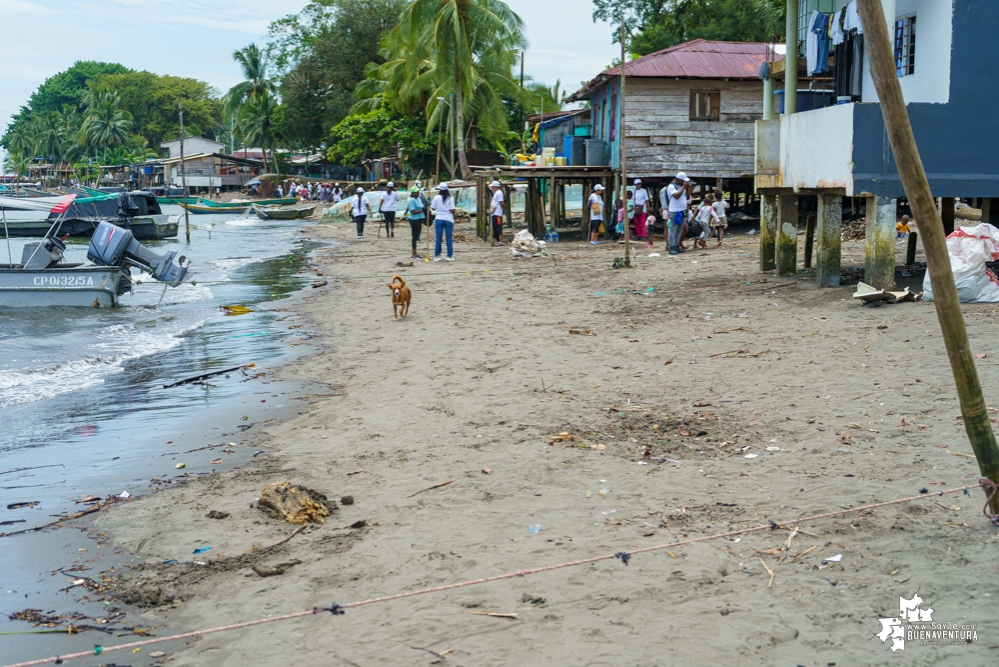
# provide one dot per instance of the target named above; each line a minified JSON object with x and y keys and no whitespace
{"x":809,"y":238}
{"x":183,"y":173}
{"x":623,"y":137}
{"x":917,"y":189}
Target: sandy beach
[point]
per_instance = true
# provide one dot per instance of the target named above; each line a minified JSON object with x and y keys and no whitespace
{"x":697,"y":397}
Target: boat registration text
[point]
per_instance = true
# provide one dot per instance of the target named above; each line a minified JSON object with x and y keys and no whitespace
{"x":64,"y":281}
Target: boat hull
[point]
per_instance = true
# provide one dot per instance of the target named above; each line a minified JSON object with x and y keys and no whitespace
{"x":86,"y":286}
{"x":208,"y":203}
{"x":283,"y":214}
{"x":202,"y":210}
{"x":144,"y":228}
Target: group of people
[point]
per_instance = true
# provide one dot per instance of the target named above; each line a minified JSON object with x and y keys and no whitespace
{"x":420,"y":211}
{"x":683,"y":221}
{"x":322,"y":192}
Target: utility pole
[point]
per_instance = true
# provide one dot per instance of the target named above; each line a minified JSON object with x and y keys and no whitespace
{"x":523,"y":121}
{"x":622,"y":137}
{"x":451,"y":119}
{"x":917,"y":189}
{"x":183,"y":173}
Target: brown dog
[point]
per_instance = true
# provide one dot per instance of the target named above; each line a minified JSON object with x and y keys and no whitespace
{"x":401,"y":296}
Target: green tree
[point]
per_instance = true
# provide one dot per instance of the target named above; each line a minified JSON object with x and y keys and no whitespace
{"x":325,"y":50}
{"x":365,"y":135}
{"x":545,"y":99}
{"x":151,"y":100}
{"x":258,"y":123}
{"x":442,"y":47}
{"x":664,"y":23}
{"x":105,"y":123}
{"x":16,"y":164}
{"x":256,"y":83}
{"x":62,"y":89}
{"x":50,"y":138}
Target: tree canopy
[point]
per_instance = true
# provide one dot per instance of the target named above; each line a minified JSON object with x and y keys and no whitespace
{"x":659,"y":24}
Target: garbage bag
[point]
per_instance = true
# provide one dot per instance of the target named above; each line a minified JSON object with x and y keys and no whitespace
{"x":969,"y":249}
{"x":525,"y":245}
{"x":295,"y":504}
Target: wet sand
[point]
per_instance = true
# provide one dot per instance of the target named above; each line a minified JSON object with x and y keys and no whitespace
{"x":838,"y":411}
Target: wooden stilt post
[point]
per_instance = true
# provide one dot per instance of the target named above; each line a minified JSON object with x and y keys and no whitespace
{"x":809,"y":238}
{"x":910,"y":250}
{"x":787,"y":235}
{"x":829,"y":221}
{"x":768,"y":232}
{"x":879,"y":247}
{"x":947,"y":214}
{"x":917,"y":189}
{"x":990,"y":211}
{"x":584,"y":225}
{"x":553,"y":202}
{"x":508,"y":208}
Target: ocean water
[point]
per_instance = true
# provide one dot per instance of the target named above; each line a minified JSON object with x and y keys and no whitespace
{"x":81,"y":392}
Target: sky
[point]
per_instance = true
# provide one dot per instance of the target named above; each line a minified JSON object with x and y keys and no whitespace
{"x":196,"y":38}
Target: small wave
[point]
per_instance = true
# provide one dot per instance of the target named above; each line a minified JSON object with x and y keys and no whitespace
{"x":50,"y":381}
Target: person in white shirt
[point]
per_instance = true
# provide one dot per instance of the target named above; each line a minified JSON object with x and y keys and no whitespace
{"x":641,"y":214}
{"x":390,"y":199}
{"x":496,"y":212}
{"x":675,"y":199}
{"x":337,"y":193}
{"x":279,"y":192}
{"x":443,"y":208}
{"x":706,"y":219}
{"x":596,"y":204}
{"x":359,"y":208}
{"x":721,"y":209}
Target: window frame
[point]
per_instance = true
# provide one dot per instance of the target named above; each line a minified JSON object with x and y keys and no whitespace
{"x":904,"y":45}
{"x":712,"y":96}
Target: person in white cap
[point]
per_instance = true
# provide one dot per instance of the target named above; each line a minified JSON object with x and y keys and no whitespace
{"x":496,"y":212}
{"x":443,"y":208}
{"x":675,"y":199}
{"x":359,"y":208}
{"x":596,"y":204}
{"x":641,"y":212}
{"x":337,"y":193}
{"x":390,"y":200}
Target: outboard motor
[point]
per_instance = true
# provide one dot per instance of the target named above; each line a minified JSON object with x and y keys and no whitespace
{"x":113,"y":246}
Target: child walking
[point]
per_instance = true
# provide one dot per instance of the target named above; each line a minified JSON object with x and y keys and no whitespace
{"x":706,"y":217}
{"x":721,"y":210}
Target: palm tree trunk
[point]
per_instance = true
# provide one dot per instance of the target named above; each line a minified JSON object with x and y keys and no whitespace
{"x":459,"y":102}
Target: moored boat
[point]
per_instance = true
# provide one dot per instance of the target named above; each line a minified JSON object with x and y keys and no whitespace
{"x":246,"y":204}
{"x":44,"y":278}
{"x":283,"y":213}
{"x":229,"y":210}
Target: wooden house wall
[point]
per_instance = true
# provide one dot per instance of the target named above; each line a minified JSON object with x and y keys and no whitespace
{"x":662,"y":139}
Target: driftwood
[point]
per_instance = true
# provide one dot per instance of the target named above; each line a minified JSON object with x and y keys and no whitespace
{"x":206,"y":375}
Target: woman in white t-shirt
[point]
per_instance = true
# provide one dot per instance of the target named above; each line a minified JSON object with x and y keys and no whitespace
{"x":443,"y":209}
{"x":596,"y":204}
{"x":359,"y":208}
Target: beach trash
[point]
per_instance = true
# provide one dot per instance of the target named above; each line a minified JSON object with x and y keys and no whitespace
{"x":295,"y":504}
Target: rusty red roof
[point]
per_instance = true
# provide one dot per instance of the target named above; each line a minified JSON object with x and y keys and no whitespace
{"x":698,"y":59}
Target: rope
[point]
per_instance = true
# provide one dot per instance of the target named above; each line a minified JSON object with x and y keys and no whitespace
{"x":990,"y":488}
{"x":623,"y":556}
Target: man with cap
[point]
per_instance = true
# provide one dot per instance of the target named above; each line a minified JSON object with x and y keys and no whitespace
{"x":359,"y":208}
{"x":641,"y":214}
{"x":675,"y":199}
{"x":596,"y":204}
{"x":390,"y":199}
{"x":496,"y":212}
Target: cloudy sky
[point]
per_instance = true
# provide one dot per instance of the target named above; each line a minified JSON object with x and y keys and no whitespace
{"x":195,"y":38}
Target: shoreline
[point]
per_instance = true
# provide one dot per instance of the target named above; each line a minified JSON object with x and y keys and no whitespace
{"x":484,"y":372}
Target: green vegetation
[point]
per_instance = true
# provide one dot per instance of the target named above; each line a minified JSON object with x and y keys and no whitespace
{"x":660,"y":24}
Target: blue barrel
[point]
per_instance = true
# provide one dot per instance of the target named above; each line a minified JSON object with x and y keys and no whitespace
{"x":575,"y":151}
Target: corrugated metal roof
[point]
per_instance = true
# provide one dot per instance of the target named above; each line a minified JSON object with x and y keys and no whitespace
{"x":699,"y":59}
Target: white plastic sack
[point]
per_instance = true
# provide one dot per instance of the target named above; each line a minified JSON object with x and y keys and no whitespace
{"x":969,"y":249}
{"x":525,"y":245}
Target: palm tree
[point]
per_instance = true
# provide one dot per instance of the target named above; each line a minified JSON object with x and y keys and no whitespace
{"x":50,"y":138}
{"x":21,"y":138}
{"x":253,"y":63}
{"x":545,"y":99}
{"x":16,"y":164}
{"x":105,"y":124}
{"x":256,"y":124}
{"x":456,"y":35}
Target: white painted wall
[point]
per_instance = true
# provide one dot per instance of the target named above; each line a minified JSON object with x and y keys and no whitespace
{"x":192,"y":146}
{"x":934,"y":38}
{"x":816,"y":149}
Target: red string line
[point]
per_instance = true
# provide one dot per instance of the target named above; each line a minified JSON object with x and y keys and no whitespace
{"x":337,"y":609}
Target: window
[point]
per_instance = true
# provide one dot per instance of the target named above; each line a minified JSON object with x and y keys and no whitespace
{"x":705,"y":105}
{"x":613,"y":117}
{"x":905,"y":45}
